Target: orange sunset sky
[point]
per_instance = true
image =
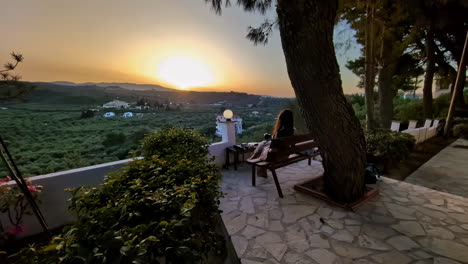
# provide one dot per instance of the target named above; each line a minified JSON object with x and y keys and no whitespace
{"x":175,"y":43}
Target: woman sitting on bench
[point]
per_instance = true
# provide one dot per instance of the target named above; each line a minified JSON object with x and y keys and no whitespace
{"x":284,"y":127}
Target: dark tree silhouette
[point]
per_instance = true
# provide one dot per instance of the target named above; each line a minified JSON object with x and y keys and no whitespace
{"x":306,"y":29}
{"x":10,"y":87}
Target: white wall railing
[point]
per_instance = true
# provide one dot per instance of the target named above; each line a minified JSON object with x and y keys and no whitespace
{"x":53,"y":198}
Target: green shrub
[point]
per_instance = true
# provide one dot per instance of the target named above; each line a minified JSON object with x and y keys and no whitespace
{"x":389,"y":145}
{"x":408,"y":109}
{"x":461,"y":130}
{"x":114,"y":139}
{"x":174,"y":144}
{"x":156,"y":210}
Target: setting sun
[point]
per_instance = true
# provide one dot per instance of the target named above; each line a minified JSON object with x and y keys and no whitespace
{"x":185,"y":72}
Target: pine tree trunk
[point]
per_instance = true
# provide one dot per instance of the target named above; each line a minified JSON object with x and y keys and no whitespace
{"x":429,"y":75}
{"x":306,"y":28}
{"x":386,"y":71}
{"x":369,"y":67}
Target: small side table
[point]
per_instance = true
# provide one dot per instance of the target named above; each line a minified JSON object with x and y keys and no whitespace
{"x":236,"y":150}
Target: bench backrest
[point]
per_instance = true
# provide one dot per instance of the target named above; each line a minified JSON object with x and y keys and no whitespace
{"x":281,"y":148}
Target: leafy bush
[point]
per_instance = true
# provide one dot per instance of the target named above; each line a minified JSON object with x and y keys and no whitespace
{"x":461,"y":130}
{"x":113,"y":139}
{"x":389,"y":145}
{"x":87,"y":114}
{"x":408,"y":109}
{"x":161,"y":209}
{"x":175,"y":144}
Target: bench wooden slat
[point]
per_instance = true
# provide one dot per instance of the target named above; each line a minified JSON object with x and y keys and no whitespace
{"x":283,"y":152}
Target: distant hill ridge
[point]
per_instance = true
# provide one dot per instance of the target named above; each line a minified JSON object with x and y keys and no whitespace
{"x":128,"y":86}
{"x":92,"y":93}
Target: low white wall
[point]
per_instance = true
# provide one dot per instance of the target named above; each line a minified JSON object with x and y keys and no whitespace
{"x":53,"y":199}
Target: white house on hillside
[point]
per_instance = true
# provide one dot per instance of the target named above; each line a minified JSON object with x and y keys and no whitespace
{"x":220,"y":119}
{"x":116,"y":104}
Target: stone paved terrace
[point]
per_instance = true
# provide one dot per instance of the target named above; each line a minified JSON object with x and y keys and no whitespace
{"x":405,"y":224}
{"x":447,"y":171}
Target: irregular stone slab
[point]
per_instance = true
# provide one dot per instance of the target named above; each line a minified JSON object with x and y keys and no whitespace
{"x":349,"y":251}
{"x":257,"y":252}
{"x":455,"y":208}
{"x":402,"y":243}
{"x":240,"y":244}
{"x":377,"y":231}
{"x":449,"y":249}
{"x":439,"y":232}
{"x":315,"y":220}
{"x":368,"y":242}
{"x":324,"y":211}
{"x":277,"y":250}
{"x":421,"y":255}
{"x":400,"y":212}
{"x":463,"y":218}
{"x":291,"y":213}
{"x":259,"y":220}
{"x":355,"y":230}
{"x":439,"y":260}
{"x":275,"y":214}
{"x":323,"y":256}
{"x":247,"y":205}
{"x":228,"y":207}
{"x":431,"y":213}
{"x":292,"y":258}
{"x":338,"y":214}
{"x":268,"y":237}
{"x":319,"y":241}
{"x":236,"y":224}
{"x":248,"y":261}
{"x":335,"y":224}
{"x":306,"y":226}
{"x":327,"y":229}
{"x":392,"y":257}
{"x":457,"y":229}
{"x":295,"y":233}
{"x":380,"y":219}
{"x":250,"y":232}
{"x":436,"y":201}
{"x":352,"y":222}
{"x":343,"y":235}
{"x":409,"y":228}
{"x":298,"y":246}
{"x":276,"y":226}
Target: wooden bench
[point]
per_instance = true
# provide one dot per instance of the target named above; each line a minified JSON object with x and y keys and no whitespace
{"x":283,"y":152}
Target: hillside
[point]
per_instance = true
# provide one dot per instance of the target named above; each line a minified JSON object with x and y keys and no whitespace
{"x":93,"y":94}
{"x":128,"y":86}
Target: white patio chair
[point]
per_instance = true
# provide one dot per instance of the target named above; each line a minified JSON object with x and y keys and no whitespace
{"x":395,"y":126}
{"x":412,"y":130}
{"x":424,"y":130}
{"x":412,"y":124}
{"x":432,"y":131}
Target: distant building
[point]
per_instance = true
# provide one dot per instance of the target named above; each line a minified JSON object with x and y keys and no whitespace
{"x":127,"y":114}
{"x":116,"y":104}
{"x":109,"y":114}
{"x":220,"y":119}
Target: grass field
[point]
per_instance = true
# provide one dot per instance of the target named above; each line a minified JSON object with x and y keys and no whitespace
{"x":45,"y":138}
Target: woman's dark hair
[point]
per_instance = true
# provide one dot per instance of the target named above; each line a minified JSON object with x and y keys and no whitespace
{"x":284,"y":123}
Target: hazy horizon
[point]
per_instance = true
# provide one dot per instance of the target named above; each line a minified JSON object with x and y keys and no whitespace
{"x":122,"y":41}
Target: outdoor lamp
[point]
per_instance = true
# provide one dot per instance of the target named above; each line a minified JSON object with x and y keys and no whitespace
{"x":228,"y":114}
